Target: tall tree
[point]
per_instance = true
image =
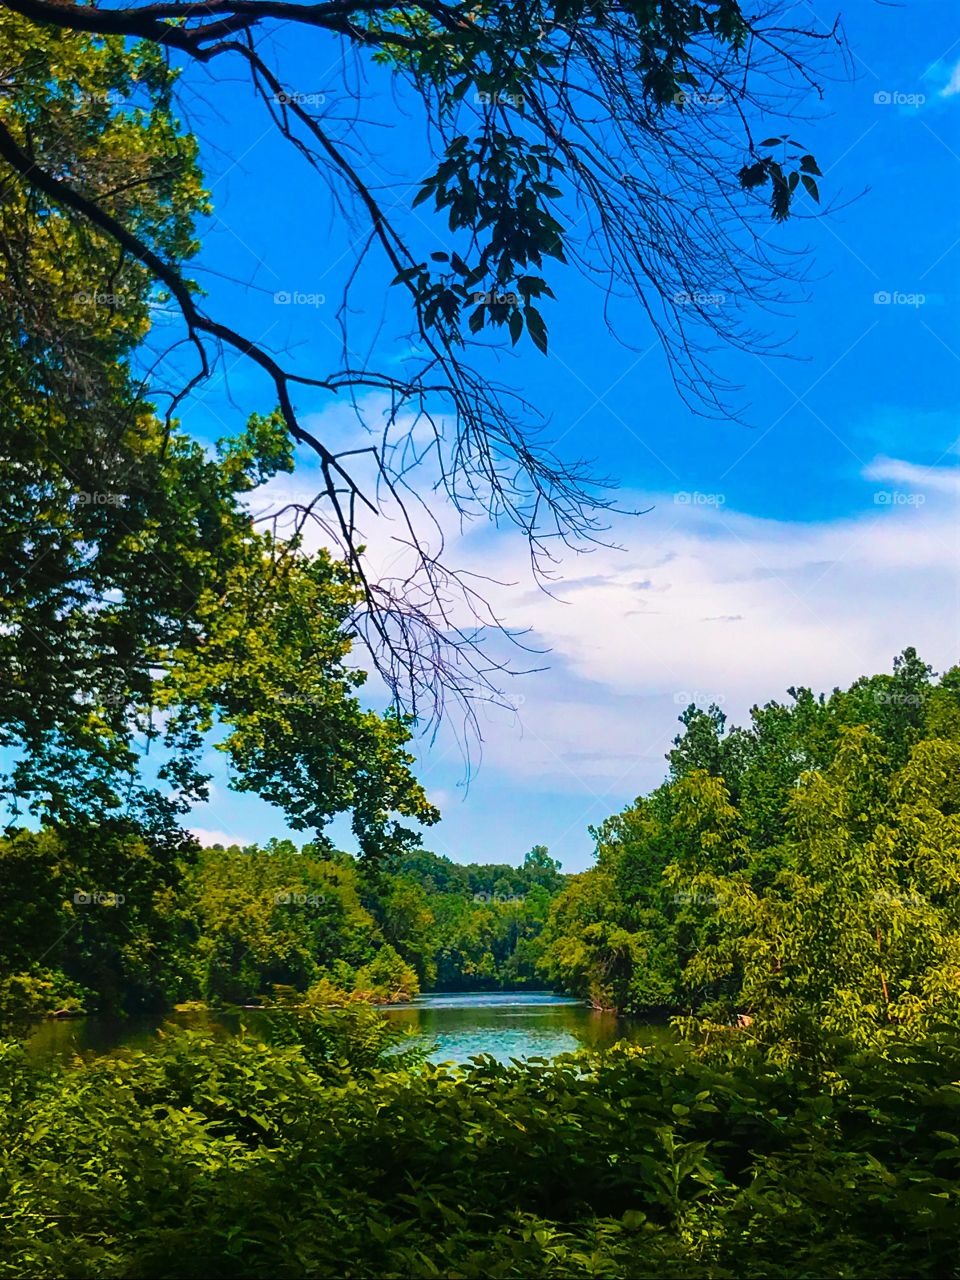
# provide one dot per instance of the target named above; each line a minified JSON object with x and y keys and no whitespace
{"x":140,"y":604}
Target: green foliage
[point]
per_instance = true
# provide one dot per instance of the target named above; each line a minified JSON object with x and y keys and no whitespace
{"x":473,"y":926}
{"x":800,"y":873}
{"x":205,"y":622}
{"x":321,"y":1154}
{"x":500,"y":185}
{"x":109,"y":917}
{"x":96,"y":906}
{"x":103,"y":515}
{"x":387,"y":977}
{"x":37,"y":992}
{"x":341,"y":1040}
{"x":139,"y":603}
{"x":783,"y":173}
{"x":269,"y":917}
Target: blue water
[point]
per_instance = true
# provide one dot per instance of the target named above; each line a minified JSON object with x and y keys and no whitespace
{"x":512,"y":1024}
{"x":454,"y":1027}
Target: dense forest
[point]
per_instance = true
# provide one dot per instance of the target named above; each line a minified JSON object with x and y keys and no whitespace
{"x":127,"y":924}
{"x":801,"y":871}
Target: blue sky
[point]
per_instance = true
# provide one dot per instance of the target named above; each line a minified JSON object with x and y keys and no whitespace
{"x":813,"y":544}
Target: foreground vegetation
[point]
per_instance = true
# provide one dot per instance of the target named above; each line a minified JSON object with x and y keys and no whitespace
{"x":212,"y":1158}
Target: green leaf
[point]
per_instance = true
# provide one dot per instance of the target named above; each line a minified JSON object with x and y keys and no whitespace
{"x":536,"y":328}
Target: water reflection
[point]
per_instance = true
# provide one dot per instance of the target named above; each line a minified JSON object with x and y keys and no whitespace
{"x":456,"y":1027}
{"x":513,"y":1025}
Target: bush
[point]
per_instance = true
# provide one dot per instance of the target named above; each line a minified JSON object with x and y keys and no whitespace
{"x":38,"y":992}
{"x":387,"y":978}
{"x":235,"y":1158}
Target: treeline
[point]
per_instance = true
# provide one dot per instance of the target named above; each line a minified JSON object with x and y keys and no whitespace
{"x":106,"y":917}
{"x":479,"y":924}
{"x":798,"y":876}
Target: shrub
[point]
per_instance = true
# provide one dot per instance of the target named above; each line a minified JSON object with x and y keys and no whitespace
{"x":326,"y":1157}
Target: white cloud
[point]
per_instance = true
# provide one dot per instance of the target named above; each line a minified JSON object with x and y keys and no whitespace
{"x":206,"y":837}
{"x":705,"y":604}
{"x":952,"y":87}
{"x":718,"y":606}
{"x":942,"y":479}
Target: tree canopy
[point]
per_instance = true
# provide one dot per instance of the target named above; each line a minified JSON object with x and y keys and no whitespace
{"x":626,"y":140}
{"x":799,"y":872}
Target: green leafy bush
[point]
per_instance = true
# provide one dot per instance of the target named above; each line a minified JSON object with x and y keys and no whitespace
{"x":387,"y":977}
{"x":235,"y":1158}
{"x":40,"y":991}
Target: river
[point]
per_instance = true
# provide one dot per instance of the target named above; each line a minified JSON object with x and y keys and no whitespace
{"x":454,"y":1027}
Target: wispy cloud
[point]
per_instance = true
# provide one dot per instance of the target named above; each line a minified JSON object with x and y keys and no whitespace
{"x":952,"y":86}
{"x":704,"y":604}
{"x":939,"y":479}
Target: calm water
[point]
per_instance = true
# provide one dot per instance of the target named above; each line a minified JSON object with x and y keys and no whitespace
{"x":514,"y":1024}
